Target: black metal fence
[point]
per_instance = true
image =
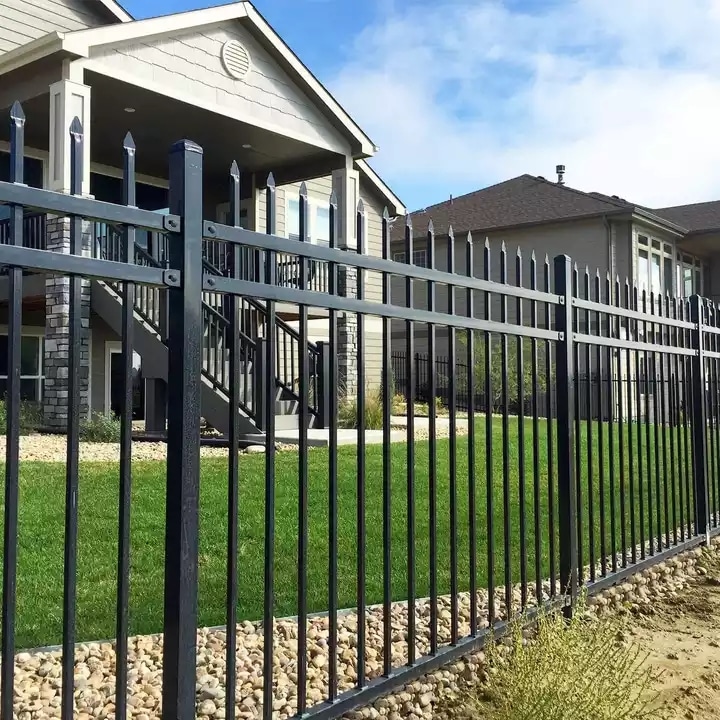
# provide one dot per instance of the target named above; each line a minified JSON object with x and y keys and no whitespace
{"x":494,"y":516}
{"x":592,"y":391}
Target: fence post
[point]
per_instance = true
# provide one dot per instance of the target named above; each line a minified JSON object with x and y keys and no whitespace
{"x":323,"y":385}
{"x":183,"y":446}
{"x":699,"y":422}
{"x":565,"y":388}
{"x":258,"y":387}
{"x":418,"y":382}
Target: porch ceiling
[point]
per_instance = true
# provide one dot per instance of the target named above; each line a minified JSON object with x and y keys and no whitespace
{"x":160,"y":121}
{"x":701,"y":244}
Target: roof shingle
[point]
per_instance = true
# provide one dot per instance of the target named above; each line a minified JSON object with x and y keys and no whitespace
{"x":696,"y":217}
{"x":521,"y":200}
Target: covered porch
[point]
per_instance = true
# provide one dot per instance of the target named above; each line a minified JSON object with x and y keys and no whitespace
{"x":137,"y":89}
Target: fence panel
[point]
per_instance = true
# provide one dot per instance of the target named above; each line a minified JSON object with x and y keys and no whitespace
{"x":571,"y":437}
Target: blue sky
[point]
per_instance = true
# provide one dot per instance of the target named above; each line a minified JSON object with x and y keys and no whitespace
{"x":459,"y":94}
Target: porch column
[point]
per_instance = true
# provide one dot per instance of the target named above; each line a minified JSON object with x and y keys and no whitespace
{"x":68,"y":99}
{"x":346,"y":184}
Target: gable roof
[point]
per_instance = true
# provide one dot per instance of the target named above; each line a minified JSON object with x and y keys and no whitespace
{"x":80,"y":42}
{"x":526,"y":199}
{"x":697,"y":217}
{"x":395,"y":206}
{"x":532,"y":200}
{"x":117,"y":10}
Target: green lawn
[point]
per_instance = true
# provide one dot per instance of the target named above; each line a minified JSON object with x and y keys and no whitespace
{"x":39,"y":618}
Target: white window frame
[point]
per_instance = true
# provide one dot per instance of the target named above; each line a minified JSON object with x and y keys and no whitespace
{"x":313,"y":204}
{"x":419,"y":257}
{"x":696,"y":267}
{"x":38,"y":332}
{"x":665,"y":251}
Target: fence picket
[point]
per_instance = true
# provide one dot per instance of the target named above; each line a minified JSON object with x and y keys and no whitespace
{"x":633,"y":375}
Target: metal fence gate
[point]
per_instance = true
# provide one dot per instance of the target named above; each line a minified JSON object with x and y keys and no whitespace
{"x":535,"y":506}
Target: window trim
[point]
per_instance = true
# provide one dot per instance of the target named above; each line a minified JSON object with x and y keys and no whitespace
{"x":313,"y":204}
{"x":38,"y":332}
{"x":114,"y":347}
{"x":399,"y":257}
{"x":697,"y":269}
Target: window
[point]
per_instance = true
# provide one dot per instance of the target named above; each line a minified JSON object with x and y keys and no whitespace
{"x":419,"y":258}
{"x":318,"y":222}
{"x":689,"y":275}
{"x":292,"y":221}
{"x":31,"y":367}
{"x":654,"y":271}
{"x":321,"y":225}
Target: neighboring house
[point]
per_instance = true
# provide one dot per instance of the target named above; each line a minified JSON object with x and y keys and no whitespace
{"x":669,"y":250}
{"x":221,"y":77}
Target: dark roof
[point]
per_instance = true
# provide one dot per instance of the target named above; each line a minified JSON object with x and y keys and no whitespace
{"x":696,"y":217}
{"x":521,"y":200}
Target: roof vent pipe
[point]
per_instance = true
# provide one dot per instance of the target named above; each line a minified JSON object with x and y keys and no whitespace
{"x":560,"y":170}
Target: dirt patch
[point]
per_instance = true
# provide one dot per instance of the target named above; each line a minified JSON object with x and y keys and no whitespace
{"x":682,"y":637}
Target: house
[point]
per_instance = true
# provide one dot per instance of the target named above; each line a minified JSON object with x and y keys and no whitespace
{"x":672,"y":250}
{"x":222,"y":77}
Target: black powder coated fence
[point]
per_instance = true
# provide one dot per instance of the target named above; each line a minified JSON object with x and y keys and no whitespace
{"x":553,"y":503}
{"x":592,"y":391}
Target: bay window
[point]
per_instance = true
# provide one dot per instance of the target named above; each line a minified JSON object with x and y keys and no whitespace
{"x":661,"y":270}
{"x":689,"y":275}
{"x":654,"y":266}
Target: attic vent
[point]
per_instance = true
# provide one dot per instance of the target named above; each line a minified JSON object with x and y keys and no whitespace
{"x":235,"y":59}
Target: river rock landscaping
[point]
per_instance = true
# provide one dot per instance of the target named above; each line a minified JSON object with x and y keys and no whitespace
{"x":647,"y":596}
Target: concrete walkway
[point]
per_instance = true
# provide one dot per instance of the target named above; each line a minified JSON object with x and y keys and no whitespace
{"x":398,"y":433}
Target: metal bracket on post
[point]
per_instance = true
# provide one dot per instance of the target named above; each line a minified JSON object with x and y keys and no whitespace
{"x":699,"y":422}
{"x":184,"y":342}
{"x":323,"y":385}
{"x":565,"y":387}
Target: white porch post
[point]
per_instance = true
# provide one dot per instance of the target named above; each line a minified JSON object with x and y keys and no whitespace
{"x":346,"y":183}
{"x":68,"y":99}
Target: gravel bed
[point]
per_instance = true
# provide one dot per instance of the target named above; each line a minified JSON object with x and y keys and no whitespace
{"x":38,"y":673}
{"x":52,"y":448}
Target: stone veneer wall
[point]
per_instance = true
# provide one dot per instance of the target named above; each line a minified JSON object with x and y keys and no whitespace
{"x":57,"y":330}
{"x":347,"y":335}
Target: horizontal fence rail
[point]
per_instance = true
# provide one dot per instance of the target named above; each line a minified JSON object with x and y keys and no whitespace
{"x":542,"y":430}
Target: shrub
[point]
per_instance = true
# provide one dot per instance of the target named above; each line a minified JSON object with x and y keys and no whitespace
{"x":31,"y":416}
{"x":348,"y":412}
{"x":570,"y":671}
{"x":509,"y":368}
{"x":399,"y":404}
{"x":100,"y":429}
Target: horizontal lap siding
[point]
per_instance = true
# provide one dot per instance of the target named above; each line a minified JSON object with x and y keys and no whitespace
{"x":585,"y":242}
{"x":319,"y":189}
{"x":190,"y":63}
{"x":373,"y":282}
{"x":22,"y":21}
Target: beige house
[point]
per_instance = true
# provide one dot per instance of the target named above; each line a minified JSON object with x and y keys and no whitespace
{"x":221,"y":77}
{"x":670,"y":250}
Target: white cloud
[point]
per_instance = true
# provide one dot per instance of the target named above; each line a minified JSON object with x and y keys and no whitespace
{"x":462,"y":93}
